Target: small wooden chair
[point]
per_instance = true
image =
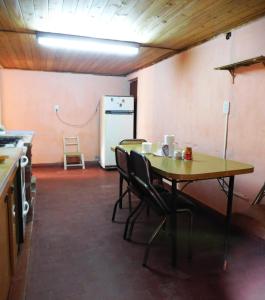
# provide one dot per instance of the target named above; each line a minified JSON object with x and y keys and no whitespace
{"x":71,"y":147}
{"x":252,"y":220}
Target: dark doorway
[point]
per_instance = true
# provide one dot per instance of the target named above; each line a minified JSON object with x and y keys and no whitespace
{"x":133,"y":92}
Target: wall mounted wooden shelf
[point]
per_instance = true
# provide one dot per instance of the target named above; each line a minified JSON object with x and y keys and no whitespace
{"x":244,"y":63}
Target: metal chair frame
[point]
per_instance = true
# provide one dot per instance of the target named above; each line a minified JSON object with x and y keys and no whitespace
{"x":142,"y":177}
{"x":72,"y":142}
{"x":124,"y":171}
{"x":127,"y":142}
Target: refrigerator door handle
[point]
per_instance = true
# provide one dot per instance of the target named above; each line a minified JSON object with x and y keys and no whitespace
{"x":118,"y":112}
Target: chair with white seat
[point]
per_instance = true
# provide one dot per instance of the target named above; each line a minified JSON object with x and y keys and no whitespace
{"x":71,"y":145}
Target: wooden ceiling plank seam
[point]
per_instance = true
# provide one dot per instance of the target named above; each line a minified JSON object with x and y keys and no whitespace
{"x":54,"y":8}
{"x":5,"y":18}
{"x":211,"y":37}
{"x":7,"y":53}
{"x":42,"y":18}
{"x":83,"y":7}
{"x":15,"y":14}
{"x":36,"y":53}
{"x":25,"y":50}
{"x":165,"y":14}
{"x":110,"y":11}
{"x":227,"y":25}
{"x":139,"y":9}
{"x":174,"y":28}
{"x":11,"y":49}
{"x":16,"y":50}
{"x":28,"y":12}
{"x":41,"y":8}
{"x":194,"y":26}
{"x":69,"y":7}
{"x":97,"y":8}
{"x":150,"y":12}
{"x":125,"y":13}
{"x":30,"y":50}
{"x":208,"y":17}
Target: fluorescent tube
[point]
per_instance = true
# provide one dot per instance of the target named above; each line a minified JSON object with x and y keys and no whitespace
{"x":88,"y":44}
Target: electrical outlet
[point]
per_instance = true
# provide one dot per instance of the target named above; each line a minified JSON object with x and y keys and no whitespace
{"x":56,"y":107}
{"x":226,"y":107}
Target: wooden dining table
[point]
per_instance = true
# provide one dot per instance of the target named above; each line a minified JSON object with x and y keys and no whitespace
{"x":201,"y":167}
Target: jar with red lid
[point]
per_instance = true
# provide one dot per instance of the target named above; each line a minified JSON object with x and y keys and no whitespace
{"x":188,"y":153}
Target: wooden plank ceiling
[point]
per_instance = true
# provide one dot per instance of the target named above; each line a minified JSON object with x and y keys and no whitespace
{"x":162,"y":27}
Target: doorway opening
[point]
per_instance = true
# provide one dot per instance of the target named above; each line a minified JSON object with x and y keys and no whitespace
{"x":133,"y":92}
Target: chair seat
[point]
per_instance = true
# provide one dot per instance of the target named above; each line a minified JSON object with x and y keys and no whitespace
{"x":251,"y":220}
{"x":183,"y":200}
{"x":72,"y":153}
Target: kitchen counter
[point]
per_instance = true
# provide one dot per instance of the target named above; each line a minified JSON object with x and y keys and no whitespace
{"x":8,"y":166}
{"x":26,"y":135}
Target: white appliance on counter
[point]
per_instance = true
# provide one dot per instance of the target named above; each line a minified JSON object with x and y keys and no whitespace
{"x":116,"y":124}
{"x":23,"y":205}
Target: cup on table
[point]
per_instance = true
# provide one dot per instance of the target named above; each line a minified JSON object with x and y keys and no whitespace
{"x":178,"y":154}
{"x":146,"y":147}
{"x":169,"y":139}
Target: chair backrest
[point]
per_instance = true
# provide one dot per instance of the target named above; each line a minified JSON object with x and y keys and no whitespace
{"x":122,"y":162}
{"x":141,"y":176}
{"x":132,"y":141}
{"x":71,"y":144}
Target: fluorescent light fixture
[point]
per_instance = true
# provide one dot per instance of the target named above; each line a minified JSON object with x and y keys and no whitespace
{"x":88,"y":44}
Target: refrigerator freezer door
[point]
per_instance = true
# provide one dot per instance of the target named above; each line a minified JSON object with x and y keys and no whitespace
{"x":117,"y":127}
{"x":118,"y":103}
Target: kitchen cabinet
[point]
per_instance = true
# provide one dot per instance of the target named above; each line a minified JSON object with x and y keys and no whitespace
{"x":5,"y":263}
{"x":8,"y":234}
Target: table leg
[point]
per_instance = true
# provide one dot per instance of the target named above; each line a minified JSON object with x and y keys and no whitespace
{"x":228,"y":219}
{"x":173,"y":225}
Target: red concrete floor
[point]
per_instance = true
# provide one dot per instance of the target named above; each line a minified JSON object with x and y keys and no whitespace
{"x":78,"y":253}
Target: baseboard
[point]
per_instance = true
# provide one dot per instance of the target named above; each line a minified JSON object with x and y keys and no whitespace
{"x":60,"y":165}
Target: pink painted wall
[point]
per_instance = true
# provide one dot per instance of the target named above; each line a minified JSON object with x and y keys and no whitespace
{"x":184,"y":95}
{"x":28,"y":99}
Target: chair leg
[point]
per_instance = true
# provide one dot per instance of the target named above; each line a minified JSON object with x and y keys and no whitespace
{"x":154,"y":235}
{"x":83,"y":161}
{"x":116,"y":204}
{"x":190,"y":236}
{"x":130,"y":201}
{"x":65,"y":162}
{"x":121,"y":188}
{"x":187,"y":211}
{"x":134,"y":220}
{"x":129,"y":218}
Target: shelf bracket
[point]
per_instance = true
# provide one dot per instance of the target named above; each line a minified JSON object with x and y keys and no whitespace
{"x":233,"y":74}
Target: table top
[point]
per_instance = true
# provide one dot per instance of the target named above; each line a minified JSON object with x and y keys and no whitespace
{"x":202,"y":166}
{"x":8,"y":166}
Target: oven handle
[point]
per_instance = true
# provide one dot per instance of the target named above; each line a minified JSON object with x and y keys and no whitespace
{"x":23,"y":161}
{"x":26,"y":208}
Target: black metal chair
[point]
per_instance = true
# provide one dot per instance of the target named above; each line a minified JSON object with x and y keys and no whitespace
{"x":122,"y":161}
{"x":141,"y":177}
{"x":127,"y":142}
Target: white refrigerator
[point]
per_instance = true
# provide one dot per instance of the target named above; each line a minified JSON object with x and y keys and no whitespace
{"x":116,"y":124}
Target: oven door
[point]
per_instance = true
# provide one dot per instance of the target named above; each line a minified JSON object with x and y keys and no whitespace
{"x":23,"y":205}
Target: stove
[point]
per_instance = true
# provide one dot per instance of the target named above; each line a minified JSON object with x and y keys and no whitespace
{"x":9,"y":141}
